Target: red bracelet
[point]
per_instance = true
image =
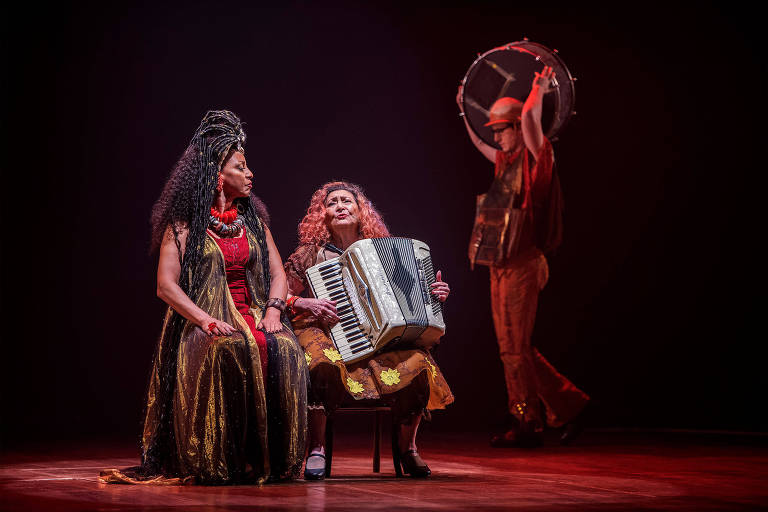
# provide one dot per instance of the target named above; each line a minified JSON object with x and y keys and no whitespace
{"x":290,"y":302}
{"x":211,"y":326}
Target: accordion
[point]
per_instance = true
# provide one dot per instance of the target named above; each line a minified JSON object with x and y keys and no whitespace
{"x":382,"y":291}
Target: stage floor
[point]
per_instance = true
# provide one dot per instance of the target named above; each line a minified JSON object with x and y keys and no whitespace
{"x":603,"y":471}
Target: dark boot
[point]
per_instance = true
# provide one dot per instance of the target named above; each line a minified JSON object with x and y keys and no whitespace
{"x":525,"y":434}
{"x":573,"y":428}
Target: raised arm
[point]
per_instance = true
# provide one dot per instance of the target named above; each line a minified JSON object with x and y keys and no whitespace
{"x":533,"y":136}
{"x":488,"y":152}
{"x":168,"y":289}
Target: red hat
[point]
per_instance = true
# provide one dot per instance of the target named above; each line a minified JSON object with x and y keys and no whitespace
{"x":505,"y":110}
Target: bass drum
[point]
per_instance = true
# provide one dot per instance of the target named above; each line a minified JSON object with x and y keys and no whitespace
{"x":508,"y":71}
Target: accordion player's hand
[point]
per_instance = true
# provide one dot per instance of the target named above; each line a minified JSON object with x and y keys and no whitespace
{"x":440,"y":288}
{"x":322,"y":309}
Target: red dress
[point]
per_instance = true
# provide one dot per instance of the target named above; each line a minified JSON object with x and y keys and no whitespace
{"x":236,"y":252}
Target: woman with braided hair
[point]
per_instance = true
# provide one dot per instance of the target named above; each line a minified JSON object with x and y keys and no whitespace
{"x":408,"y":379}
{"x":227,"y":394}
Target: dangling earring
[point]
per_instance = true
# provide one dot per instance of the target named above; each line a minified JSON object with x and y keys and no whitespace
{"x":220,"y":184}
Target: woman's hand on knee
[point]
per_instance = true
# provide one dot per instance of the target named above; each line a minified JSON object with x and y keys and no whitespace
{"x":213,"y":327}
{"x":270,"y":322}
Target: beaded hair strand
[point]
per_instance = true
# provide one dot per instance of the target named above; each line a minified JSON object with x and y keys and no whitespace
{"x":218,"y":132}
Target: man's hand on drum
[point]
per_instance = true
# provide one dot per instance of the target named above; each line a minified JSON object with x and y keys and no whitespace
{"x":322,"y":309}
{"x":458,"y":98}
{"x":440,"y":288}
{"x":544,"y":79}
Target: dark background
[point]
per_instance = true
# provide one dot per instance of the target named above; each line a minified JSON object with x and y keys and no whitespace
{"x":655,"y":296}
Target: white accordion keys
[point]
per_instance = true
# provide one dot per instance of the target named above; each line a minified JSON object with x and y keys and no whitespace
{"x":327,"y":283}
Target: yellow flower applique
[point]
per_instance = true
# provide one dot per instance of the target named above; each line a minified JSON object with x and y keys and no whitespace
{"x":354,"y":386}
{"x":432,"y":368}
{"x":332,"y":354}
{"x":308,"y":357}
{"x":390,"y":377}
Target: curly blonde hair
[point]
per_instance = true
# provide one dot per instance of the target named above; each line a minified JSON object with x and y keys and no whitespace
{"x":312,"y":228}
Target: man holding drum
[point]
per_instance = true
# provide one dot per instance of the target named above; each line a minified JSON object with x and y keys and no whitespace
{"x":517,"y":221}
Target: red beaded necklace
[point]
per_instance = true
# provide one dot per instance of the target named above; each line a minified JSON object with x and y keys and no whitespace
{"x":227,"y":217}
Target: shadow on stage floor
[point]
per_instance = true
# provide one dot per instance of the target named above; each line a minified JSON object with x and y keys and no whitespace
{"x":603,"y":471}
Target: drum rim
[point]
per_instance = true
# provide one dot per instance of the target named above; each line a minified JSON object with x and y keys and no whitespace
{"x":520,"y":45}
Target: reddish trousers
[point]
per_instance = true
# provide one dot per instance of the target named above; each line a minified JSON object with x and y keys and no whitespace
{"x":531,"y":380}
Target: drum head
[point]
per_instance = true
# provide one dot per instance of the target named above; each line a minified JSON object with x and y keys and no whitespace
{"x":508,"y":71}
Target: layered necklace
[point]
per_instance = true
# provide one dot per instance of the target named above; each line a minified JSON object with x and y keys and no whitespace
{"x":226,"y":224}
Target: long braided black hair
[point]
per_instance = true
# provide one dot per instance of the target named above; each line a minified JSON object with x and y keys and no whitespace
{"x":186,"y":200}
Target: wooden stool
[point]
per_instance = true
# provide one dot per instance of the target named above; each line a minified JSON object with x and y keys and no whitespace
{"x":379,"y":410}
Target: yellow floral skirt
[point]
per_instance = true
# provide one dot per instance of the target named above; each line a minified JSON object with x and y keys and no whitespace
{"x":375,"y":377}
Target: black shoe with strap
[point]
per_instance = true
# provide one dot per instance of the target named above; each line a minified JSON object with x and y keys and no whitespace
{"x":314,"y":474}
{"x":413,"y":465}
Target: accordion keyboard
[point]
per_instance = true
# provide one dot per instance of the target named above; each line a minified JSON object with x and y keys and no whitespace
{"x":327,"y":283}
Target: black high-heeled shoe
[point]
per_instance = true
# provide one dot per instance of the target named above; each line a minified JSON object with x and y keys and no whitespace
{"x":314,"y":474}
{"x":412,"y":464}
